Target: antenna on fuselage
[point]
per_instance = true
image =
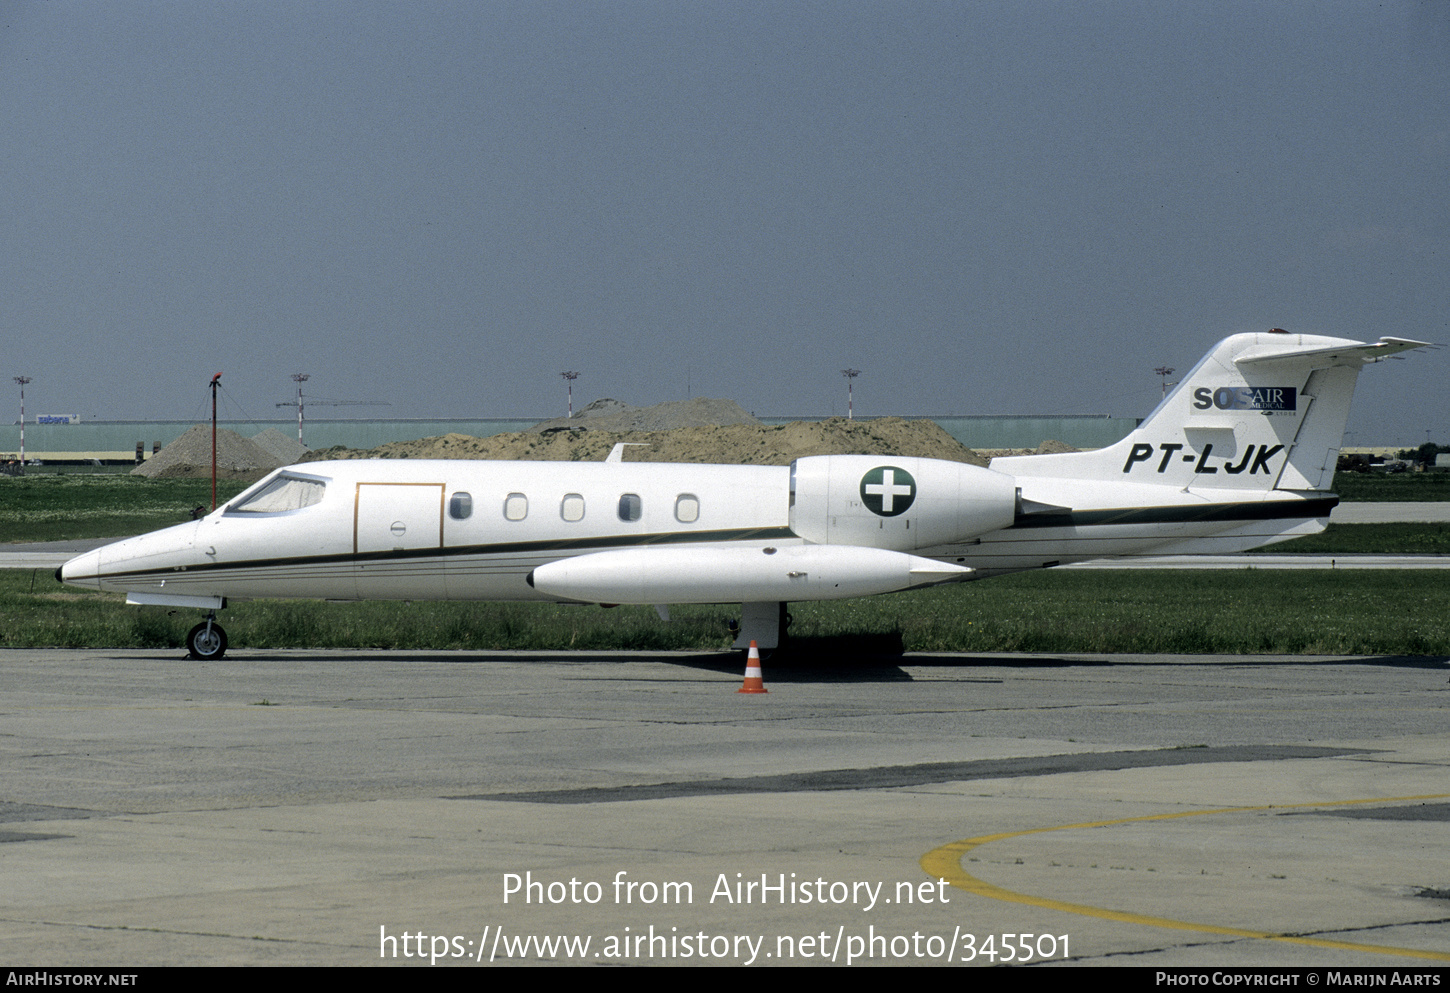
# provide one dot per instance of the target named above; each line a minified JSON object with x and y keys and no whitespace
{"x":616,"y":454}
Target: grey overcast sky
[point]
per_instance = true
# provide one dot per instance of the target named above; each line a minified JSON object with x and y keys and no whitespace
{"x":988,"y":207}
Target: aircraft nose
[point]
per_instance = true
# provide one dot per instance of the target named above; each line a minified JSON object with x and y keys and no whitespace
{"x":83,"y":570}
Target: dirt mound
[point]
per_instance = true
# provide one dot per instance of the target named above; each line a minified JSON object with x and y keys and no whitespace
{"x":1048,"y":447}
{"x":190,"y":455}
{"x":731,"y":444}
{"x":612,"y":415}
{"x":282,"y":447}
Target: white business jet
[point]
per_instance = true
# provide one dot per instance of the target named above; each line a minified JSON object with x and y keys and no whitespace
{"x":1240,"y":454}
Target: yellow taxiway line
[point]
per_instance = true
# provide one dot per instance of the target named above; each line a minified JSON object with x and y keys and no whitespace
{"x":946,"y":863}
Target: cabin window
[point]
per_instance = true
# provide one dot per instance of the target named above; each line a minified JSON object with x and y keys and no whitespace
{"x":572,"y":507}
{"x":516,"y":507}
{"x":687,"y":508}
{"x":630,"y":507}
{"x":460,"y":506}
{"x":281,"y":494}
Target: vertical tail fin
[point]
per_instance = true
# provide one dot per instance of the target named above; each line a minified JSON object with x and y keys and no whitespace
{"x":1258,"y":412}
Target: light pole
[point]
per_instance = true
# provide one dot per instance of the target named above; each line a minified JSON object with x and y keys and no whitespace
{"x":570,"y":377}
{"x":299,"y":378}
{"x":22,"y":380}
{"x":850,"y":374}
{"x":1164,"y":372}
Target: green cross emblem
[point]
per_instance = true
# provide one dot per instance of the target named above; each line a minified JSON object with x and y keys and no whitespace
{"x":888,"y":490}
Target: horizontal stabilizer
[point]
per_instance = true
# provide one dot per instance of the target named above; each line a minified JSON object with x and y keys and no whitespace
{"x":1261,"y":411}
{"x":1348,"y":353}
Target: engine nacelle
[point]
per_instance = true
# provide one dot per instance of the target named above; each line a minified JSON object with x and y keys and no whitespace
{"x":883,"y":501}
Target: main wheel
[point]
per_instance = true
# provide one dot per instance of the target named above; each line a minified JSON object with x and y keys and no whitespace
{"x":204,"y":645}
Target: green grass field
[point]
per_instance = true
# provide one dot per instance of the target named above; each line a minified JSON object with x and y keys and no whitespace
{"x":1396,"y":487}
{"x":1229,"y":611}
{"x":57,"y":506}
{"x":1245,"y":611}
{"x":1369,"y":539}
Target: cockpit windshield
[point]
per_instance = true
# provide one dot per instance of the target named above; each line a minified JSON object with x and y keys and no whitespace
{"x":281,"y":494}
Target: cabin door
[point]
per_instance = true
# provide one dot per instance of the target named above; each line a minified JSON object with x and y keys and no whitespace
{"x":392,"y":520}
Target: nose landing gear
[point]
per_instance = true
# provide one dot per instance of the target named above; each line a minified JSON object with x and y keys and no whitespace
{"x":207,"y":641}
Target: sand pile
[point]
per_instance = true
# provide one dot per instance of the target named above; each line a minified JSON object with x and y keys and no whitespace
{"x":699,"y":430}
{"x":731,"y":444}
{"x":613,"y":415}
{"x":1049,"y":447}
{"x":190,"y":455}
{"x":282,"y":447}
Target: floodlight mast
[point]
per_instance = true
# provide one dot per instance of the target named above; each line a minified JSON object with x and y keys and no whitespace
{"x":22,"y":380}
{"x":299,"y":378}
{"x":1164,"y":372}
{"x":850,"y":374}
{"x":570,"y":377}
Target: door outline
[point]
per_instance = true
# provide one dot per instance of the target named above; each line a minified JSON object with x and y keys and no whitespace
{"x":357,"y":508}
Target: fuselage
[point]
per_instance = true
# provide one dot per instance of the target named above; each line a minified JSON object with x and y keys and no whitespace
{"x":1241,"y":453}
{"x":477,"y":530}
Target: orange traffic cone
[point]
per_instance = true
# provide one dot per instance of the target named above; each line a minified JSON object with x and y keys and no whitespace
{"x":754,"y":683}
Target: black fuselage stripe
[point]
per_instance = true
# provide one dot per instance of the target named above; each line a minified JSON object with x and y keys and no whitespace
{"x":454,"y":551}
{"x":1206,"y":513}
{"x":1118,"y":517}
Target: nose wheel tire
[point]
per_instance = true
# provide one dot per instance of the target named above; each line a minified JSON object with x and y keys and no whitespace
{"x":206,"y":643}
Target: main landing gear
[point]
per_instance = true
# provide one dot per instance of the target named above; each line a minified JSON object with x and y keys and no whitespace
{"x":207,"y":642}
{"x":763,"y":623}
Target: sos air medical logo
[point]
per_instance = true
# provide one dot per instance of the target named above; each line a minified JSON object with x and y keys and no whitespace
{"x":887,"y":490}
{"x":1265,"y":398}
